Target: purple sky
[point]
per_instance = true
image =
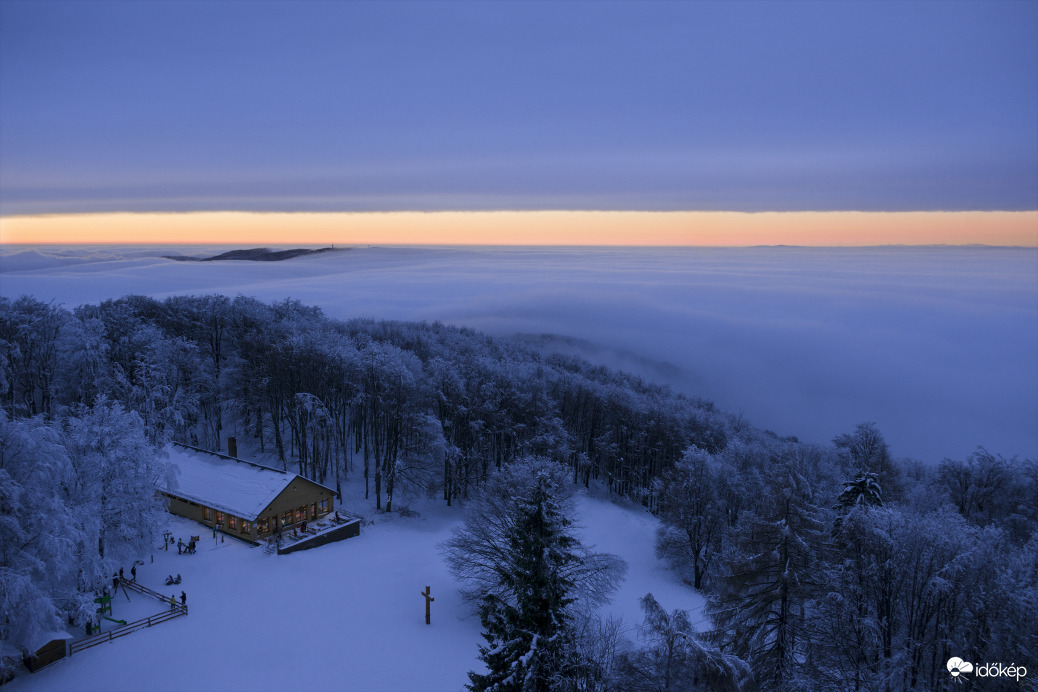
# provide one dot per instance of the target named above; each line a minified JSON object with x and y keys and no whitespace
{"x":109,"y":106}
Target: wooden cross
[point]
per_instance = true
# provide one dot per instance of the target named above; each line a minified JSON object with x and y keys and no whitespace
{"x":428,"y":599}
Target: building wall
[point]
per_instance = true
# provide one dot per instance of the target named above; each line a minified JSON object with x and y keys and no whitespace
{"x":300,"y":494}
{"x":184,"y":508}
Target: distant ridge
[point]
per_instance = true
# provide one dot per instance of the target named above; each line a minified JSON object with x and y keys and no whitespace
{"x":256,"y":254}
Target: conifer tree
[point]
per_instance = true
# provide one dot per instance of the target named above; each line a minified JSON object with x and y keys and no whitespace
{"x":527,"y":640}
{"x":863,"y":491}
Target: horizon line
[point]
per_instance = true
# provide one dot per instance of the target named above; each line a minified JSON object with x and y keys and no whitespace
{"x":372,"y":246}
{"x":547,"y":227}
{"x":507,"y":210}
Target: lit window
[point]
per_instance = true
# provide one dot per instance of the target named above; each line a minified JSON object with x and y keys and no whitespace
{"x":220,"y":517}
{"x":264,"y":525}
{"x":324,"y":506}
{"x":245,"y":527}
{"x":232,"y":521}
{"x":301,"y":514}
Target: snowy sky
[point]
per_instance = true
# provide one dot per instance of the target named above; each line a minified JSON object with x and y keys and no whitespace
{"x":364,"y":106}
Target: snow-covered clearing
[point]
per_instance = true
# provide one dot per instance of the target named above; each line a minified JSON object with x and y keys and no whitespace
{"x":346,"y":616}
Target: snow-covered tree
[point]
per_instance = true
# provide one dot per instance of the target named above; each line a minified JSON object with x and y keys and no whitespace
{"x":522,"y":564}
{"x":675,"y":658}
{"x":988,"y":489}
{"x":759,"y":606}
{"x":596,"y":646}
{"x":854,"y":622}
{"x":863,"y":490}
{"x":37,"y":529}
{"x":29,"y":335}
{"x":479,"y":551}
{"x":163,"y":386}
{"x":865,"y":451}
{"x":114,"y":469}
{"x":692,"y":515}
{"x":528,"y":636}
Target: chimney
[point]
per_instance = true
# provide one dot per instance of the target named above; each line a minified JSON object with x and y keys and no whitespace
{"x":232,"y":447}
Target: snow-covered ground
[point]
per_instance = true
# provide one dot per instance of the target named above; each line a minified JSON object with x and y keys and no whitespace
{"x":936,"y":345}
{"x":346,"y":616}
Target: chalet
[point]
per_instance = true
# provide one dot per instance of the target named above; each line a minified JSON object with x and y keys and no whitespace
{"x":249,"y":501}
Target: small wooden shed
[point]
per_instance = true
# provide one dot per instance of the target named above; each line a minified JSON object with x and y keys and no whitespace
{"x":52,"y":647}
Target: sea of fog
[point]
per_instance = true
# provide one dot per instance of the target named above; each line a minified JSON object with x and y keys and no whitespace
{"x":938,"y":345}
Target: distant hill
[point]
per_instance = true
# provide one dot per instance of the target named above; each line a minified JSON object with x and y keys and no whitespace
{"x":257,"y":254}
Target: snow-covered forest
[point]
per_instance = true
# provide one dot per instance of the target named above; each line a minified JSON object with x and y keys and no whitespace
{"x":825,"y":566}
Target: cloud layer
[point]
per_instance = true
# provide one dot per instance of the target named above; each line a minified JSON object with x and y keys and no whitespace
{"x":936,"y":345}
{"x":293,"y":106}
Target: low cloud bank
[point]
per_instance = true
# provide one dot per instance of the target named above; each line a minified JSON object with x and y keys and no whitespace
{"x":936,"y":345}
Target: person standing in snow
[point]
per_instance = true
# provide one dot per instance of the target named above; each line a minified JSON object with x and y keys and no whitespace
{"x":180,"y":546}
{"x":121,"y":575}
{"x":172,"y":602}
{"x":183,"y":598}
{"x":133,"y":573}
{"x":115,"y":584}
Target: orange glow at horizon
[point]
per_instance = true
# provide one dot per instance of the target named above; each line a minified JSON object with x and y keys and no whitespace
{"x":691,"y":228}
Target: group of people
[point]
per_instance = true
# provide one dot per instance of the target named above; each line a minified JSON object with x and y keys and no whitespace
{"x":170,"y":579}
{"x":182,"y":547}
{"x":121,"y":576}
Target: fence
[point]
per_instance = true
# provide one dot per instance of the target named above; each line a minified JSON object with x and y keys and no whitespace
{"x":131,"y":627}
{"x":134,"y":586}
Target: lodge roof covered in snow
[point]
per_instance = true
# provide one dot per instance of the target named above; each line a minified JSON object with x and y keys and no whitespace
{"x":226,"y":484}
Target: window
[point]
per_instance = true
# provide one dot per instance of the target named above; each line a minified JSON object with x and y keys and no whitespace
{"x":301,"y":514}
{"x":232,"y":522}
{"x":207,"y":514}
{"x":264,"y":525}
{"x":324,"y":506}
{"x":245,"y":528}
{"x":286,"y":519}
{"x":220,"y":517}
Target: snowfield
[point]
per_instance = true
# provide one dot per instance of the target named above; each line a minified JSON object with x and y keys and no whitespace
{"x":346,"y":616}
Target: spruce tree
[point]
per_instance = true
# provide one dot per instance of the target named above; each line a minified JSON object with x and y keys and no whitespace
{"x":527,"y":640}
{"x":863,"y":490}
